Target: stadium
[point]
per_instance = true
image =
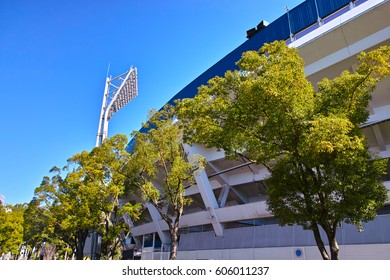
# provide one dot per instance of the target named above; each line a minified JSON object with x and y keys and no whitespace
{"x":228,"y":218}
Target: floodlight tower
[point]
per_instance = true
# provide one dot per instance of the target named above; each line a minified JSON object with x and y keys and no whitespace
{"x":118,"y":92}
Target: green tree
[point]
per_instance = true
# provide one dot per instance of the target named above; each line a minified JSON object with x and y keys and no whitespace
{"x":35,"y":224}
{"x":11,"y":228}
{"x":321,"y":172}
{"x":103,"y":181}
{"x":160,"y":169}
{"x":70,"y":216}
{"x":87,"y":199}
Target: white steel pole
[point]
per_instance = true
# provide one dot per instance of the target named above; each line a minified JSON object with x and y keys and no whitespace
{"x":100,"y":136}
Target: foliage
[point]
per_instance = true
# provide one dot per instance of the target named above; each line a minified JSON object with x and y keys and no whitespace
{"x":11,"y":228}
{"x":68,"y":217}
{"x":159,"y":168}
{"x":321,"y":172}
{"x":87,"y":199}
{"x":35,"y":224}
{"x":103,"y":182}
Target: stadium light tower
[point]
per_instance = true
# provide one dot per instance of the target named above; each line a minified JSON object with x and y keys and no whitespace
{"x":118,"y":92}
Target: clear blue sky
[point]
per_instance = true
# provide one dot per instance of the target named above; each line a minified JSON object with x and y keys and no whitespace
{"x":53,"y":63}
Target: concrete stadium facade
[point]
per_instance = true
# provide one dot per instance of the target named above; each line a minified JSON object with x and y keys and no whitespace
{"x":228,"y":218}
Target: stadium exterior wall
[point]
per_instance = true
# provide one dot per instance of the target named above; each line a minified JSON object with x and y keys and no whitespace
{"x":328,"y":35}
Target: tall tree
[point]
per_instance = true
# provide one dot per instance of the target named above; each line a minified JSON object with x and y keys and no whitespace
{"x":87,"y":199}
{"x":103,"y":180}
{"x":321,"y":172}
{"x":160,"y":169}
{"x":71,"y":215}
{"x":35,"y":224}
{"x":11,"y":228}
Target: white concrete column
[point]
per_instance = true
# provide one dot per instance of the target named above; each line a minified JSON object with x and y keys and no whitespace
{"x":156,"y":217}
{"x":207,"y":195}
{"x":379,"y":137}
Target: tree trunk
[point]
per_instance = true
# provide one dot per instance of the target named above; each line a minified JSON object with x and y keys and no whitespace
{"x":174,"y":238}
{"x":81,"y":237}
{"x":333,"y":245}
{"x":113,"y":249}
{"x":330,"y":230}
{"x":320,"y":244}
{"x":334,"y":249}
{"x":173,"y":225}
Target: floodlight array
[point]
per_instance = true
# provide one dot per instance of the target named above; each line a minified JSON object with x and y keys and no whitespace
{"x":117,"y":93}
{"x":126,"y":92}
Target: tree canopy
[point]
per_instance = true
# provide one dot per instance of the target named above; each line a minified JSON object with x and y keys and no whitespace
{"x":321,"y":171}
{"x":160,"y":169}
{"x":87,"y":198}
{"x":11,"y":228}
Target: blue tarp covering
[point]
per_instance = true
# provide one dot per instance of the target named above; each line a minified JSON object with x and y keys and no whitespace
{"x":326,"y":7}
{"x":303,"y":16}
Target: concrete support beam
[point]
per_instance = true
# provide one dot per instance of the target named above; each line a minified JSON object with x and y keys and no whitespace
{"x":156,"y":217}
{"x":379,"y":137}
{"x":130,"y":223}
{"x":223,"y":176}
{"x":226,"y":178}
{"x":223,"y":195}
{"x":243,"y":199}
{"x":207,"y":195}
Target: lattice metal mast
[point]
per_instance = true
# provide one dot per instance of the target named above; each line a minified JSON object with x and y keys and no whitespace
{"x":118,"y":92}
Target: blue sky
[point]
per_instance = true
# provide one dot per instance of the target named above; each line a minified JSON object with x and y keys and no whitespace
{"x":54,"y":57}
